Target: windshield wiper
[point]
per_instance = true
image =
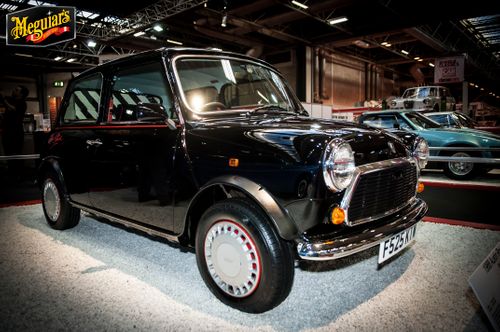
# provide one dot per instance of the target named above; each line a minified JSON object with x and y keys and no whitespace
{"x":270,"y":107}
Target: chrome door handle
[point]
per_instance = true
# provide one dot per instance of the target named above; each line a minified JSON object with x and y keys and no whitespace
{"x":94,"y":142}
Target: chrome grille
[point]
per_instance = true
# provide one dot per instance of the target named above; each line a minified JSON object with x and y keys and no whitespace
{"x":380,"y":191}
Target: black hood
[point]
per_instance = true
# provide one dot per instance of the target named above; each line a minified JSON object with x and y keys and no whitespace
{"x":287,"y":140}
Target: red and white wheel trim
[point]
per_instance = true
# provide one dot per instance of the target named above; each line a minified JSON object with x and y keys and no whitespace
{"x":232,"y":258}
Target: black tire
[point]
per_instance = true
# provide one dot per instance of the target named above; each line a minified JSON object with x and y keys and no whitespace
{"x":271,"y":276}
{"x":56,"y":206}
{"x":452,"y":171}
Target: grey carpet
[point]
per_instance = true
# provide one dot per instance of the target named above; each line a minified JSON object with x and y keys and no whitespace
{"x":101,"y":277}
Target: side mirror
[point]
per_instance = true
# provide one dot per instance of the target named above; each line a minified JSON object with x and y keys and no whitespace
{"x":151,"y":112}
{"x":156,"y":113}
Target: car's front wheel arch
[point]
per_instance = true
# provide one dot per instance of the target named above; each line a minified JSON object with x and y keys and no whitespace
{"x":237,"y":187}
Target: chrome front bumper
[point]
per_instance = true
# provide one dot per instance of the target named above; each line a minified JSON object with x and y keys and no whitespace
{"x":324,"y":248}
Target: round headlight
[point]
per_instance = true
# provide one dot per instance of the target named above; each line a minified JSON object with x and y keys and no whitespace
{"x":421,"y":152}
{"x":338,"y":165}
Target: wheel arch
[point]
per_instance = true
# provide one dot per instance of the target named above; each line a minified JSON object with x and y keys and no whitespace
{"x":49,"y":164}
{"x":224,"y":187}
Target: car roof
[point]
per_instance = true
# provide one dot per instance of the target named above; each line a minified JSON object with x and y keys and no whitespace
{"x":441,"y":112}
{"x":151,"y":54}
{"x":428,"y":86}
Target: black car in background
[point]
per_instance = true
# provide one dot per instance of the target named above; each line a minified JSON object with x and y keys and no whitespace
{"x":213,"y":150}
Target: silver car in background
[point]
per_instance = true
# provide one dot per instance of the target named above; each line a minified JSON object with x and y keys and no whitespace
{"x":425,"y":98}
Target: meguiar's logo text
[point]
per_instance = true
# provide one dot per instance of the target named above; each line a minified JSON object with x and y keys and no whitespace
{"x":41,"y":26}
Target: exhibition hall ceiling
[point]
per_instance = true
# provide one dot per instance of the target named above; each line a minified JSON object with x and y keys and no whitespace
{"x":395,"y":34}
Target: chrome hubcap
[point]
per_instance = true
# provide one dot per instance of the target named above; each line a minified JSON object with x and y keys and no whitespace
{"x":51,"y":200}
{"x":232,"y":258}
{"x":460,"y":168}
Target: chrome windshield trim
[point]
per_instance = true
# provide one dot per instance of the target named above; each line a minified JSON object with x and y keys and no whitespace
{"x":366,"y":169}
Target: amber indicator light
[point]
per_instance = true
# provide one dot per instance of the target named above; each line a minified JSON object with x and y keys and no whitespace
{"x":234,"y":162}
{"x":338,"y":216}
{"x":420,"y":187}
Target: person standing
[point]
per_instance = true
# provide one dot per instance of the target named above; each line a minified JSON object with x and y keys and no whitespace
{"x":12,"y":126}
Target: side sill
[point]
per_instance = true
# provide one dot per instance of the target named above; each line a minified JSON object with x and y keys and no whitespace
{"x":151,"y":230}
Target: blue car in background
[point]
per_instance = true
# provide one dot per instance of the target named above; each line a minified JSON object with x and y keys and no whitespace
{"x":438,"y":136}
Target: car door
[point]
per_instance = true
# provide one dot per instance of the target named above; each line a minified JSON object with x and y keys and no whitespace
{"x":74,"y":137}
{"x":133,"y":162}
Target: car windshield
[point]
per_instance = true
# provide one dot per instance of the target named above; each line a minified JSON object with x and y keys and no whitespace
{"x":217,"y":85}
{"x":416,"y":93}
{"x":421,"y":121}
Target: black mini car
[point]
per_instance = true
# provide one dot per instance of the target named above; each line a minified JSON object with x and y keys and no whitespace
{"x":214,"y":151}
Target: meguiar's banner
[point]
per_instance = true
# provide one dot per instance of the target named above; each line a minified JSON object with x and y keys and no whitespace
{"x":41,"y":26}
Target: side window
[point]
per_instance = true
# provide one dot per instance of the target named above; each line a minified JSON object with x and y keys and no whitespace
{"x":140,"y":94}
{"x":403,"y":124}
{"x":380,"y":121}
{"x":84,"y":100}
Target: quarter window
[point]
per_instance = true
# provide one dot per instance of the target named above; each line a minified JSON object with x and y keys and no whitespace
{"x":83,"y":103}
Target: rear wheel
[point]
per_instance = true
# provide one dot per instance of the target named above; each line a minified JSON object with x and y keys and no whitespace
{"x":241,"y":257}
{"x":460,"y":170}
{"x":58,"y":211}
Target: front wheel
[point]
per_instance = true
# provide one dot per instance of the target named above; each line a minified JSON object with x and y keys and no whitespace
{"x":459,"y":170}
{"x":241,"y":258}
{"x":56,"y":206}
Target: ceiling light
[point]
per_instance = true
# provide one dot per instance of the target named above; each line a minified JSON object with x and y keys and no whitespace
{"x":386,"y":44}
{"x":75,"y":46}
{"x":224,"y":21}
{"x":338,"y":20}
{"x":416,"y":58}
{"x":158,"y":28}
{"x":471,"y":84}
{"x":431,"y":64}
{"x":57,"y":58}
{"x":140,"y":33}
{"x":405,"y":52}
{"x":24,"y":54}
{"x":71,"y":60}
{"x":361,"y":43}
{"x":174,"y":42}
{"x":153,"y":37}
{"x":299,"y":4}
{"x":91,"y":43}
{"x":482,"y":89}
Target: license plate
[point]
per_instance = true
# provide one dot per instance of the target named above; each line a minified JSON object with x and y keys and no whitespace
{"x":394,"y":244}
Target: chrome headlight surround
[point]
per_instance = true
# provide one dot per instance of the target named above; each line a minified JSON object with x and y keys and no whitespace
{"x":420,"y":152}
{"x":338,"y":165}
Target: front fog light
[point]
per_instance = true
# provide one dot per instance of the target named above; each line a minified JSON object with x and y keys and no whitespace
{"x":421,"y":152}
{"x":338,"y":165}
